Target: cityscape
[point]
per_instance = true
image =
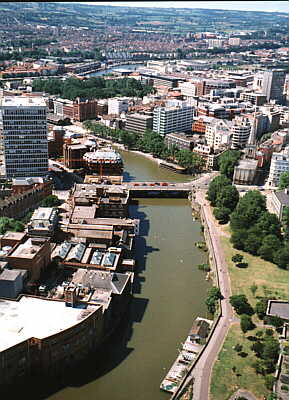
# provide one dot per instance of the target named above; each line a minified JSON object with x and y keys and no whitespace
{"x":144,"y":200}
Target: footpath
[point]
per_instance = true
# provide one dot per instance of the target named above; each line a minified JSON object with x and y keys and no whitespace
{"x":201,"y":371}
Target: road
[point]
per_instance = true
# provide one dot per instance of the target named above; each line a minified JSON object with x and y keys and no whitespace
{"x":203,"y":368}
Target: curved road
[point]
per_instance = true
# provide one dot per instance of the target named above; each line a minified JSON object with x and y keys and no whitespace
{"x":202,"y":369}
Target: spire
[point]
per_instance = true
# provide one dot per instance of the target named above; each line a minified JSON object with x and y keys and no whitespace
{"x":253,"y":133}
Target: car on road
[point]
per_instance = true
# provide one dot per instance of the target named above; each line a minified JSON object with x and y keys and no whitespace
{"x":164,"y":184}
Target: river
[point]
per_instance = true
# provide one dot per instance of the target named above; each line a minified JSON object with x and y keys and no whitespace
{"x":108,"y":70}
{"x":169,"y":293}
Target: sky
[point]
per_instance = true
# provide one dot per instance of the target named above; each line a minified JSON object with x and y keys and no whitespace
{"x":270,"y":6}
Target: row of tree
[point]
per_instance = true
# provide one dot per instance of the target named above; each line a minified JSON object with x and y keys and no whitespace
{"x":150,"y":142}
{"x":254,"y":229}
{"x":92,"y":88}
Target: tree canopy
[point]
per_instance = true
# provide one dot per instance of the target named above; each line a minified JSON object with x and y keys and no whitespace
{"x":284,"y":180}
{"x":92,"y":88}
{"x":10,"y":224}
{"x":227,"y":161}
{"x":241,"y":304}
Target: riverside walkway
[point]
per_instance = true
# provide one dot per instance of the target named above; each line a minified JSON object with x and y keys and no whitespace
{"x":201,"y":372}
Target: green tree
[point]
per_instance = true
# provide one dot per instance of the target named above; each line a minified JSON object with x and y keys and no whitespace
{"x":238,"y":238}
{"x":253,"y":289}
{"x":268,"y":224}
{"x":284,"y":180}
{"x":227,"y":162}
{"x":285,"y":222}
{"x":261,"y":308}
{"x":215,"y":187}
{"x":50,"y":201}
{"x":222,"y":214}
{"x":270,"y":245}
{"x":214,"y":295}
{"x":10,"y":224}
{"x":281,"y":257}
{"x":237,"y":258}
{"x":241,"y":304}
{"x":227,"y":197}
{"x":271,"y":349}
{"x":248,"y":211}
{"x":246,"y":323}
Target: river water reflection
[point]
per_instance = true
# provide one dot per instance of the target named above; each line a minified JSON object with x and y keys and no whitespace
{"x":170,"y":293}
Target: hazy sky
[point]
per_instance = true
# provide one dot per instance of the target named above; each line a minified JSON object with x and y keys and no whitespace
{"x":273,"y":6}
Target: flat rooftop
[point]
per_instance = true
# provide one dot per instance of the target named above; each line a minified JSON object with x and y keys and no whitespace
{"x":27,"y":249}
{"x":278,"y":309}
{"x":19,"y":101}
{"x":32,"y":317}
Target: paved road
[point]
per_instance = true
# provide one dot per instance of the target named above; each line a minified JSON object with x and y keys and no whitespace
{"x":203,"y":367}
{"x":202,"y":372}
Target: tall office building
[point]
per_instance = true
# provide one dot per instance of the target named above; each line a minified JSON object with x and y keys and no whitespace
{"x":273,"y":84}
{"x":23,"y":131}
{"x":170,"y":119}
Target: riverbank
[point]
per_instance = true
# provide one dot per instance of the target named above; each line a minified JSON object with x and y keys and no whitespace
{"x":200,"y":372}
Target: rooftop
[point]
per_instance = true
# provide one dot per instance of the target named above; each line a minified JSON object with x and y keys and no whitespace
{"x":283,"y":197}
{"x":27,"y":249}
{"x":278,"y":309}
{"x":33,"y":317}
{"x":22,"y":101}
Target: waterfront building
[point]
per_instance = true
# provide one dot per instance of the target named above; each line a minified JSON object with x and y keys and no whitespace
{"x":180,"y":140}
{"x":273,"y":85}
{"x":103,"y":162}
{"x":138,"y":123}
{"x":279,"y":164}
{"x":23,"y":130}
{"x":171,"y":119}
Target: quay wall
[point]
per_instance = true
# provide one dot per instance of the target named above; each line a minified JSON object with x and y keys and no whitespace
{"x":188,"y":379}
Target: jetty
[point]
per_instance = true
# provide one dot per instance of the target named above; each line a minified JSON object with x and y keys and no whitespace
{"x":187,"y":354}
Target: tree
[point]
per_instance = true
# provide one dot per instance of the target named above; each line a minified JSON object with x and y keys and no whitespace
{"x":241,"y":305}
{"x":268,"y":224}
{"x":248,"y":211}
{"x":246,"y":323}
{"x":271,"y":349}
{"x":270,"y":245}
{"x":50,"y":201}
{"x":238,"y":238}
{"x":222,"y":214}
{"x":10,"y":224}
{"x":227,"y":197}
{"x":284,"y":180}
{"x":237,"y":258}
{"x":261,"y":308}
{"x":227,"y":162}
{"x":285,"y":221}
{"x":214,"y":294}
{"x":215,"y":187}
{"x":253,"y":289}
{"x":281,"y":257}
{"x":276,"y":321}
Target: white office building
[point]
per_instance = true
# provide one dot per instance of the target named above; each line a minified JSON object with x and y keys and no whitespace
{"x":218,"y":133}
{"x":23,"y":130}
{"x":240,"y":129}
{"x":175,"y":118}
{"x":279,"y":164}
{"x":118,"y":105}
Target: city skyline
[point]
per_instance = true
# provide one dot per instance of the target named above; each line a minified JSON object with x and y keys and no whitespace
{"x":266,"y":6}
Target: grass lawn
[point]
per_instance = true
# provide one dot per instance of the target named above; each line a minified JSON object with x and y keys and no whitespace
{"x":271,"y":280}
{"x":224,"y":380}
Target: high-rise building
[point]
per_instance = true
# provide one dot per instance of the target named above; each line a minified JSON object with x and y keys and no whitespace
{"x":23,"y":130}
{"x":118,"y":105}
{"x":170,"y":119}
{"x":138,"y":123}
{"x":273,"y":84}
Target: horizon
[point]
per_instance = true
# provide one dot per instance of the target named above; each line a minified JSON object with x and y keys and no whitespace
{"x":264,"y":6}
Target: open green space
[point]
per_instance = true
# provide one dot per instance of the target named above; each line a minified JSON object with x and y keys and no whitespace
{"x":233,"y":371}
{"x":270,"y":280}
